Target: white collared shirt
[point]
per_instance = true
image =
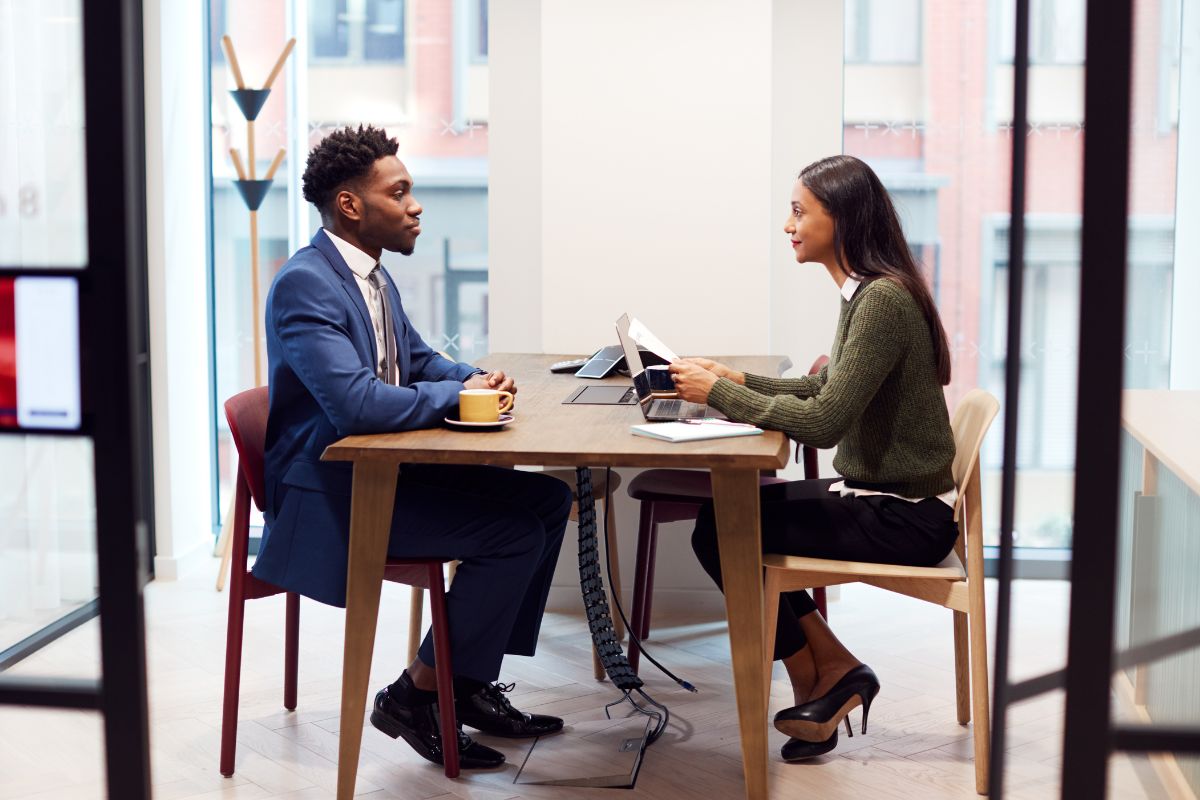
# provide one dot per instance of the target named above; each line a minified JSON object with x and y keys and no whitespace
{"x":850,"y":285}
{"x":361,"y":264}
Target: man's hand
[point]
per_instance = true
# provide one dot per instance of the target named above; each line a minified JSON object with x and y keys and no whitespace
{"x":718,"y":369}
{"x":692,"y":381}
{"x":492,"y":380}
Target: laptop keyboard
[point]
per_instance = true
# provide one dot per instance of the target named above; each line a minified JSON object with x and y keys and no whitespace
{"x":678,"y":409}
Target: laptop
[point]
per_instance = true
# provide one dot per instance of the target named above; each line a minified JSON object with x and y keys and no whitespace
{"x":653,"y":409}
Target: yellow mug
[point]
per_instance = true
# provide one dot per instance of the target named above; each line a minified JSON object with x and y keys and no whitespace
{"x":483,"y":405}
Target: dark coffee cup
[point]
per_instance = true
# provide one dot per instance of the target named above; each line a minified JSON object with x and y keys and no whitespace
{"x":659,"y":378}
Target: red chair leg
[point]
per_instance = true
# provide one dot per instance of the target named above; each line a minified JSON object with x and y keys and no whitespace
{"x":233,"y":630}
{"x":819,"y":599}
{"x":645,"y":524}
{"x":443,"y":668}
{"x":291,"y":651}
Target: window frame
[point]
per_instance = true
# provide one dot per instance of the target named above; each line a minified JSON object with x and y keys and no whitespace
{"x":478,"y":15}
{"x":863,"y":39}
{"x":356,"y":42}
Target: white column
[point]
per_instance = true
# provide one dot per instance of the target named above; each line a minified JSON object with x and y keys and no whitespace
{"x":642,"y":156}
{"x":178,"y":296}
{"x":515,"y":176}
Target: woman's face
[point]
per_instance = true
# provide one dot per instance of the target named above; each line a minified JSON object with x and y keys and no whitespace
{"x":809,"y":227}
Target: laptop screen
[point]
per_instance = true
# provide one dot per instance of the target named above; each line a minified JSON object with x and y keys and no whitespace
{"x":633,"y":359}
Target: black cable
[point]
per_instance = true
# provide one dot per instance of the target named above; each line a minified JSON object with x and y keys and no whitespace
{"x":591,"y":584}
{"x":617,"y":600}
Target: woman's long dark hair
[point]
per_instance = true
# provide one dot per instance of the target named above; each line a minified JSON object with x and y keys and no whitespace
{"x":868,"y":239}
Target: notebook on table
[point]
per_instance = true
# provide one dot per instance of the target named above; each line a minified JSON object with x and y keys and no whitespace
{"x":694,"y":431}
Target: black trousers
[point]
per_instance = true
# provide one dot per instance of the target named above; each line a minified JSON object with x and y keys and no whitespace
{"x":803,"y":518}
{"x":506,"y":527}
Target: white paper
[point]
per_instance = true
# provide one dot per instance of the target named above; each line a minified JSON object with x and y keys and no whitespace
{"x":642,"y":335}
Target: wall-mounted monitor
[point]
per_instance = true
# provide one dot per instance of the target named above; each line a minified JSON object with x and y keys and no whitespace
{"x":39,"y":353}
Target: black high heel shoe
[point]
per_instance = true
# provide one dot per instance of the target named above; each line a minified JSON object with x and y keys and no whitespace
{"x":797,"y":750}
{"x":817,"y":720}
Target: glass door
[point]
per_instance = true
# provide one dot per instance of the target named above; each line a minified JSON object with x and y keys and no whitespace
{"x":47,"y":505}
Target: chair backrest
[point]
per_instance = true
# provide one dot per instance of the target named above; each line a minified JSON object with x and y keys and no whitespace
{"x":971,"y":421}
{"x":247,"y":416}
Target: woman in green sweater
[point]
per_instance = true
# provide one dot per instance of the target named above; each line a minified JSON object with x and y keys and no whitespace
{"x":880,"y":401}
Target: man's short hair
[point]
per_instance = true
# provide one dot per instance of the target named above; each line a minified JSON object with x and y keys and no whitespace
{"x":343,"y":157}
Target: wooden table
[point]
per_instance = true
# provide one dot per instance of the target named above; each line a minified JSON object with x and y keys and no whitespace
{"x":549,"y":433}
{"x":1166,"y":424}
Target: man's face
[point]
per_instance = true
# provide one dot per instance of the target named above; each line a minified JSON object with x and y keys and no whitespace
{"x":390,"y":214}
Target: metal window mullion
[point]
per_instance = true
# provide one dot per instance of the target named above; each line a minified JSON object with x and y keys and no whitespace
{"x":1107,"y":83}
{"x":1012,"y":394}
{"x":1156,"y":739}
{"x":67,"y":693}
{"x":112,"y":315}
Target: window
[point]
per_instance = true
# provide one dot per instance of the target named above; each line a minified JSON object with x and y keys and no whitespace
{"x":358,"y":69}
{"x":1055,"y":31}
{"x":355,"y":31}
{"x":1167,"y":96}
{"x":883,"y":31}
{"x":949,"y":175}
{"x":47,"y":483}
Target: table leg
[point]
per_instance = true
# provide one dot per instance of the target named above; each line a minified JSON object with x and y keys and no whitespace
{"x":371,"y":504}
{"x":739,"y":539}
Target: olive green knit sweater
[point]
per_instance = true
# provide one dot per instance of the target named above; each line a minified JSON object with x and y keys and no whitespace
{"x":879,"y":399}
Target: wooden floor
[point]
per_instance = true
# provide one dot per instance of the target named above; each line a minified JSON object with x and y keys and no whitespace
{"x":914,"y":748}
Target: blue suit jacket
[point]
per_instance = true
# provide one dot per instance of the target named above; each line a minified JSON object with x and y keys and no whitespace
{"x":320,"y":356}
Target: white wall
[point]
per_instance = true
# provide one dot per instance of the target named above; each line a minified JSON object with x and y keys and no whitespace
{"x":176,"y":243}
{"x":642,"y":156}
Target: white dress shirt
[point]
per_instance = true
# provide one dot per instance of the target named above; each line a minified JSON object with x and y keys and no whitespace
{"x":949,"y":498}
{"x":361,"y":264}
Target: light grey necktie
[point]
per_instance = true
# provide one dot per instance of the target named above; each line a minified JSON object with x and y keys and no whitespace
{"x":379,"y":284}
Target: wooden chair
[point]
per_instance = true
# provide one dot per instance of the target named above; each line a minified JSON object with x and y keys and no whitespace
{"x":948,"y":584}
{"x":247,"y":415}
{"x":599,"y":491}
{"x":674,"y":495}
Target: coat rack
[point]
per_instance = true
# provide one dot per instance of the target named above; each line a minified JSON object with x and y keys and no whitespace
{"x":253,"y":191}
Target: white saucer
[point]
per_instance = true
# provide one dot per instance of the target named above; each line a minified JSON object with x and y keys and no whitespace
{"x":504,"y":420}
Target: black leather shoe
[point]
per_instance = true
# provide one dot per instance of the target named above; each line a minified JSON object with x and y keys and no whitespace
{"x":488,"y":710}
{"x":420,"y":727}
{"x":817,"y":720}
{"x":799,"y":750}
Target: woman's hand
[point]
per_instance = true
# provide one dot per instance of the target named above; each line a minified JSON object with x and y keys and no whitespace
{"x":718,"y":369}
{"x":692,"y":381}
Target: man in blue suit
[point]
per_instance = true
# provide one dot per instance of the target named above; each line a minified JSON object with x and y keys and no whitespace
{"x":344,"y":359}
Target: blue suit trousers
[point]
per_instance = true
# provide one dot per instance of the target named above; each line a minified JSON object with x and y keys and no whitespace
{"x":506,"y":527}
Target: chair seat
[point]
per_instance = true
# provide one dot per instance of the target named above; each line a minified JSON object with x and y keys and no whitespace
{"x":950,"y":568}
{"x":678,"y":485}
{"x":412,"y":571}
